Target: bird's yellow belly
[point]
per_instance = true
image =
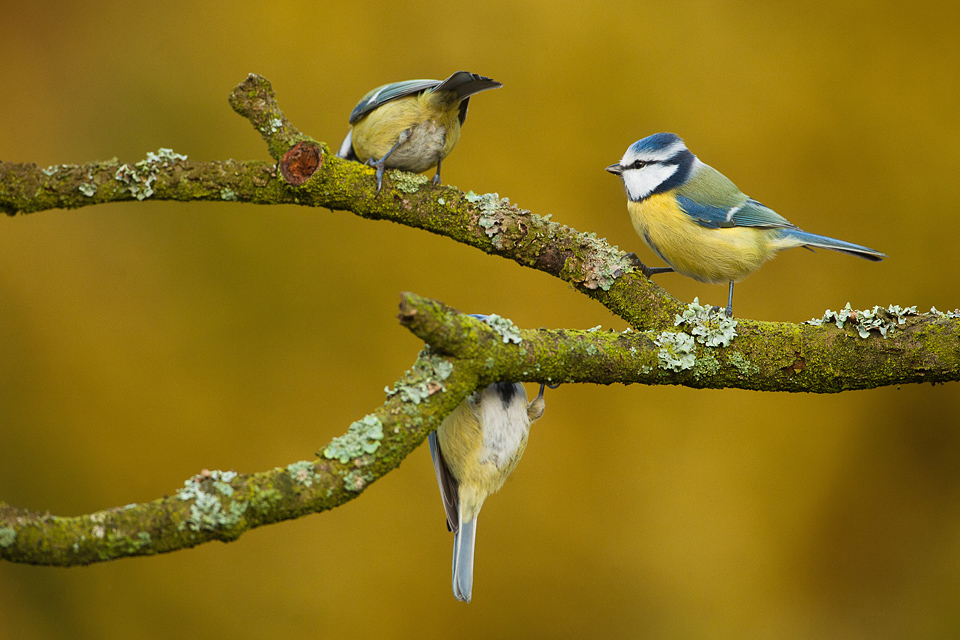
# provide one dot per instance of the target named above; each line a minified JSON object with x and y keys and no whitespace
{"x":432,"y":134}
{"x":708,"y":255}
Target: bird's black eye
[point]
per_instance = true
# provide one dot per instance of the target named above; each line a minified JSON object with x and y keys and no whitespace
{"x":638,"y":164}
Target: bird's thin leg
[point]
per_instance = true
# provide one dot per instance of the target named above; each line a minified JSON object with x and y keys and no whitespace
{"x":436,"y":178}
{"x":381,"y":164}
{"x":729,"y":309}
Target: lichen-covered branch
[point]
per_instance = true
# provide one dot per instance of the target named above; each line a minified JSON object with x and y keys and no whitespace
{"x":221,"y":505}
{"x":307,"y":173}
{"x":703,"y":349}
{"x":670,"y":343}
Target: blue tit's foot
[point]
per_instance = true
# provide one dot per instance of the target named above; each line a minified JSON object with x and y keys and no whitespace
{"x":644,"y":269}
{"x":652,"y":271}
{"x":436,"y":177}
{"x":381,"y":166}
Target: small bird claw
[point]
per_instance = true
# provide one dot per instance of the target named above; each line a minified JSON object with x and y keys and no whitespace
{"x":381,"y":167}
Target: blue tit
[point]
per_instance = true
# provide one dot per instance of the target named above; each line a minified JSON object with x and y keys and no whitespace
{"x":476,"y":447}
{"x":697,"y":220}
{"x":411,"y":125}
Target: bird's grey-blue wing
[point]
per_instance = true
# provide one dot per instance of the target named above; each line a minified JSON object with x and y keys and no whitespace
{"x":449,"y":490}
{"x":388,"y":92}
{"x":713,"y":201}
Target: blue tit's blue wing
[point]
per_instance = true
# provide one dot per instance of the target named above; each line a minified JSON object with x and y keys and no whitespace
{"x":388,"y":92}
{"x":449,"y":489}
{"x":713,"y":201}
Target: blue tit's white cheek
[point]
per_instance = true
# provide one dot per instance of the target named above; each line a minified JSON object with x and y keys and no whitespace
{"x":640,"y":183}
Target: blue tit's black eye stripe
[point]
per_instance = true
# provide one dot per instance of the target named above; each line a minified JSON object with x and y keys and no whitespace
{"x":638,"y":164}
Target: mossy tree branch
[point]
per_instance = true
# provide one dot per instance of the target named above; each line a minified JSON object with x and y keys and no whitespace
{"x":462,"y":353}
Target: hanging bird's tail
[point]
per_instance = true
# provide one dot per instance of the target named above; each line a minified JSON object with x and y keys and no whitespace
{"x":463,"y":543}
{"x":805,"y":239}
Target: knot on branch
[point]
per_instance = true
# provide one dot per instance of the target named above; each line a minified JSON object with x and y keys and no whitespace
{"x":301,"y":162}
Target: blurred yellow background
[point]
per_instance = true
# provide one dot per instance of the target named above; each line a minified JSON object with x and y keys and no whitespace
{"x":140,"y":343}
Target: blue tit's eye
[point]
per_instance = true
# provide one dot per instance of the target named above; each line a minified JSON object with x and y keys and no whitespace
{"x":638,"y":164}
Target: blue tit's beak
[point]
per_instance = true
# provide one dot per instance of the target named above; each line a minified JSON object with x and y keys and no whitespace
{"x":615,"y":169}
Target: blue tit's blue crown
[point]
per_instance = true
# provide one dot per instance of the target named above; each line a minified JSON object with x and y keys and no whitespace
{"x":657,"y":145}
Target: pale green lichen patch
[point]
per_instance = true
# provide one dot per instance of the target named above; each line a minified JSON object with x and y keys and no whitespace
{"x":706,"y":366}
{"x":52,"y":169}
{"x":708,"y":325}
{"x":87,"y":189}
{"x":209,"y":511}
{"x":867,"y":320}
{"x":598,"y":264}
{"x":303,"y":473}
{"x":677,"y":351}
{"x":228,"y":194}
{"x":505,"y":328}
{"x":140,"y":177}
{"x":119,"y":543}
{"x":363,"y":437}
{"x":493,"y":212}
{"x":263,"y":500}
{"x":424,"y":380}
{"x":355,"y":481}
{"x":742,"y":365}
{"x":407,"y":182}
{"x":8,"y":536}
{"x":945,"y":314}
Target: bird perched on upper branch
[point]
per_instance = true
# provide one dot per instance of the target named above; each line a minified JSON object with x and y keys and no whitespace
{"x":699,"y":222}
{"x":476,"y":447}
{"x":411,"y":125}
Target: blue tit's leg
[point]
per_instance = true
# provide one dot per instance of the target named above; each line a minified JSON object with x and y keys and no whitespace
{"x":644,"y":269}
{"x":729,"y":310}
{"x":436,"y":178}
{"x":381,"y":164}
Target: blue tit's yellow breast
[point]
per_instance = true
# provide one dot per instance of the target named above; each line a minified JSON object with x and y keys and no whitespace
{"x":432,"y":130}
{"x":702,"y":253}
{"x":482,"y":450}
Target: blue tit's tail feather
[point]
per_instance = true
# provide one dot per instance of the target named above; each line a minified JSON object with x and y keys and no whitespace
{"x":463,"y":543}
{"x":823,"y":242}
{"x":466,"y":84}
